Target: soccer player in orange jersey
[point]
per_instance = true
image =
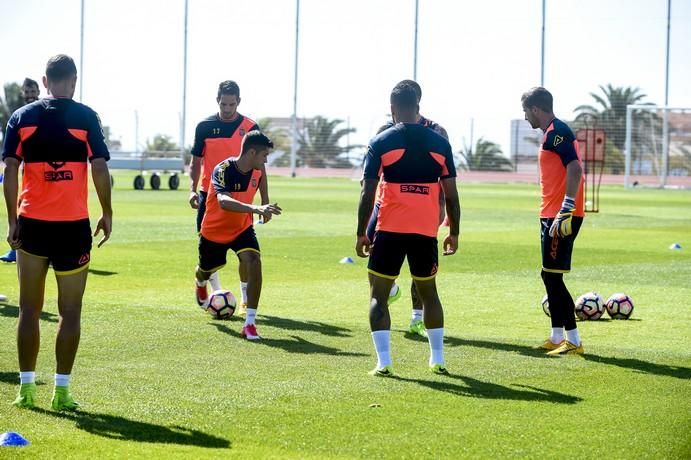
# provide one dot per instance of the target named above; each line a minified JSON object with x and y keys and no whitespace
{"x":415,"y":164}
{"x":55,"y":139}
{"x":561,"y":215}
{"x":227,"y":222}
{"x":217,"y":138}
{"x":417,"y":326}
{"x":30,"y":93}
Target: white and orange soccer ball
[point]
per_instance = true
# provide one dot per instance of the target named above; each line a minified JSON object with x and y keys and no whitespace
{"x":619,"y":306}
{"x":590,"y":306}
{"x":221,"y":304}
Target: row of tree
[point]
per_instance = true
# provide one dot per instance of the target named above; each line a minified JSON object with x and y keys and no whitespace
{"x":320,"y":142}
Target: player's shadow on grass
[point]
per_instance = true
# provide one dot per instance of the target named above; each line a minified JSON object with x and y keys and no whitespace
{"x":627,"y":363}
{"x":295,"y":345}
{"x":474,"y":388}
{"x":123,"y":429}
{"x":312,"y":326}
{"x":12,"y":311}
{"x":93,"y":271}
{"x":12,"y":378}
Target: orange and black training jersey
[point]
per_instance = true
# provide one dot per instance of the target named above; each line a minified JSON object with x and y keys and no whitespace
{"x":215,"y":140}
{"x":559,"y":148}
{"x":219,"y":225}
{"x":54,"y":137}
{"x":410,"y":159}
{"x":427,"y":123}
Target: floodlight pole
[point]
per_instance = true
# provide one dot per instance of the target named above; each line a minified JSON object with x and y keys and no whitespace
{"x":81,"y":53}
{"x":665,"y":113}
{"x":542,"y":55}
{"x":417,"y":9}
{"x":183,"y":118}
{"x":294,"y":120}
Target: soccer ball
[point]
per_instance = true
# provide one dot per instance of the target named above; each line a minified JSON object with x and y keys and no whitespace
{"x":222,"y":304}
{"x":590,"y":306}
{"x":619,"y":306}
{"x":545,"y":305}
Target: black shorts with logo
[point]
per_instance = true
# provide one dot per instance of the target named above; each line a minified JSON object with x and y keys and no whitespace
{"x":66,"y":244}
{"x":556,"y":252}
{"x":212,"y":255}
{"x":389,"y":249}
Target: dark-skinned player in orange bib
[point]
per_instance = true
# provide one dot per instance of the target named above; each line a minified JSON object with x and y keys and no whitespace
{"x":228,"y":219}
{"x":561,"y":216}
{"x":416,"y":164}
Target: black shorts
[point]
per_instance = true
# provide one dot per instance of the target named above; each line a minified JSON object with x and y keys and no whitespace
{"x":389,"y":249}
{"x":201,"y":209}
{"x":556,"y":252}
{"x":212,"y":255}
{"x":66,"y":245}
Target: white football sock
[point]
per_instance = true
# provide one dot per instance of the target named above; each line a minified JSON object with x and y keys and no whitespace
{"x":250,"y":316}
{"x":243,"y":291}
{"x":27,"y":377}
{"x":436,"y":345}
{"x":200,"y":283}
{"x":557,"y":335}
{"x":417,"y":316}
{"x":573,"y":337}
{"x":62,"y":380}
{"x":214,"y":281}
{"x":382,"y":345}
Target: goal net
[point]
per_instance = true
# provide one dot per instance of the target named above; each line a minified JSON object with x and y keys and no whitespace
{"x":657,"y":148}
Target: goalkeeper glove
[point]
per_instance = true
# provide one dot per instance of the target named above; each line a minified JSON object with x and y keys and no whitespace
{"x":561,"y":226}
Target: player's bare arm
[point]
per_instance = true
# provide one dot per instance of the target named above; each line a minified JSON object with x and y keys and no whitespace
{"x":369,"y":190}
{"x":101,"y":178}
{"x":195,"y":171}
{"x":453,"y":210}
{"x":228,"y":203}
{"x":10,"y":189}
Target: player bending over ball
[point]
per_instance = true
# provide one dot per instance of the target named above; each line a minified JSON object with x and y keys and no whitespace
{"x":227,"y":222}
{"x":216,"y":138}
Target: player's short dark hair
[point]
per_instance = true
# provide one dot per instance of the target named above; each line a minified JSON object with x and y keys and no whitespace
{"x":414,"y":85}
{"x":404,"y":97}
{"x":538,"y":97}
{"x":228,"y":88}
{"x":28,"y":82}
{"x":60,"y":67}
{"x":256,"y":139}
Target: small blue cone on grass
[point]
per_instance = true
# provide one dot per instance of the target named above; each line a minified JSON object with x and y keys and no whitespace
{"x":675,"y":246}
{"x":346,"y":260}
{"x":13,"y":439}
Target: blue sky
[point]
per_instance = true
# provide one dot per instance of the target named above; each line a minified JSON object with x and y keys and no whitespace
{"x":474,"y":58}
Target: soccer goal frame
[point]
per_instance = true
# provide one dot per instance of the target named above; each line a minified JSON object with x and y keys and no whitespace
{"x":664,"y":167}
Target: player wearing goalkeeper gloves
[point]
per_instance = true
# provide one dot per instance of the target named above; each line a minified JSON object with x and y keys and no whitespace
{"x":561,"y":215}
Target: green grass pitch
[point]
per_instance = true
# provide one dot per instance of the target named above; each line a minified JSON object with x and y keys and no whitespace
{"x":158,"y":378}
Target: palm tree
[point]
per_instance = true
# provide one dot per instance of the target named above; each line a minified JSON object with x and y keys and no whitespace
{"x":484,"y":156}
{"x":281,"y":139}
{"x":609,"y":113}
{"x":320,"y":144}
